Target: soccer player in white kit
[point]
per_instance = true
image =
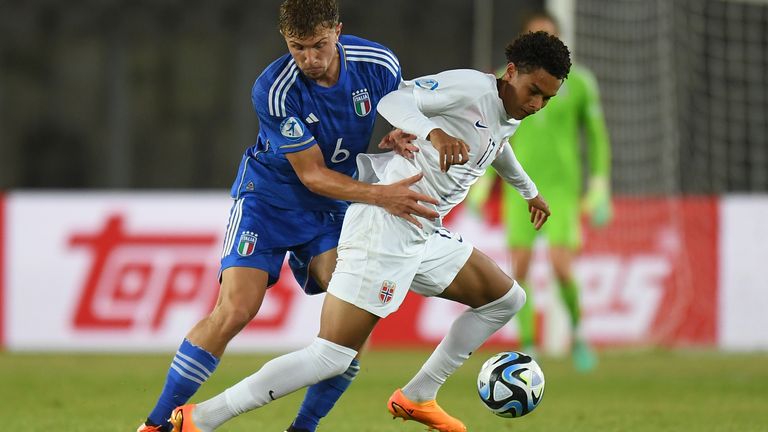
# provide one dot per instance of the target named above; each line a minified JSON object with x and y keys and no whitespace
{"x":463,"y":119}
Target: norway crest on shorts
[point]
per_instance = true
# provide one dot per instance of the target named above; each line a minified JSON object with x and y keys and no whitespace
{"x":387,"y":291}
{"x":362,"y":102}
{"x":247,"y":243}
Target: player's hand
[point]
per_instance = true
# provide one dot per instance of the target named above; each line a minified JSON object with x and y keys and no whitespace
{"x":597,"y":201}
{"x":400,"y":200}
{"x":453,"y":151}
{"x":400,"y":142}
{"x":539,"y":210}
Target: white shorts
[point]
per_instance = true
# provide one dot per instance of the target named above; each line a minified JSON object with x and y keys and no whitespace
{"x":382,"y":256}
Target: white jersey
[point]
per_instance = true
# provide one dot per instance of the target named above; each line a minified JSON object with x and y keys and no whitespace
{"x":466,"y":105}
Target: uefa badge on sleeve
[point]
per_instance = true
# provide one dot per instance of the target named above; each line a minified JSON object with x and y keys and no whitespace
{"x":247,"y":243}
{"x":387,"y":291}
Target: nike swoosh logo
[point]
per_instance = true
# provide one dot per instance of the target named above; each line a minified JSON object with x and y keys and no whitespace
{"x":271,"y":394}
{"x":396,"y":406}
{"x":480,"y":125}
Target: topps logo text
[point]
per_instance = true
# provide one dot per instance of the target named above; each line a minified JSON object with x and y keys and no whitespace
{"x":137,"y":280}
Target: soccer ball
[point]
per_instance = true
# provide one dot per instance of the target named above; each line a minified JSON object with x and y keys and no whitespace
{"x":510,"y":384}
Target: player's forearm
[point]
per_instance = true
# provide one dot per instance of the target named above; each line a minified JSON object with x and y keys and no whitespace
{"x":332,"y":184}
{"x":599,"y":148}
{"x":509,"y":169}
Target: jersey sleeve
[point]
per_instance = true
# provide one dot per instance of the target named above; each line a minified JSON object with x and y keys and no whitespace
{"x":447,"y":90}
{"x":508,"y":168}
{"x":392,"y":81}
{"x":598,"y":147}
{"x":280,"y":119}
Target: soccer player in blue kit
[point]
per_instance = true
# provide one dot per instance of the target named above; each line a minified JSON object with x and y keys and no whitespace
{"x":316,"y":108}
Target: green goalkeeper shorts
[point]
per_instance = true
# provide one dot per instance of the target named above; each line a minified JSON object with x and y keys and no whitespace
{"x":563,"y":228}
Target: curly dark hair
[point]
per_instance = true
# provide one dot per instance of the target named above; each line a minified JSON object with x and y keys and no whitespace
{"x":300,"y":18}
{"x":531,"y":51}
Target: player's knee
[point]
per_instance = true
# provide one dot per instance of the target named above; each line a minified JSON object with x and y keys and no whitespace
{"x":503,"y":309}
{"x":331,"y":359}
{"x":230,"y":319}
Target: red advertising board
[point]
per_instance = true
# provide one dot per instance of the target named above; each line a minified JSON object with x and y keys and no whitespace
{"x":135,"y":271}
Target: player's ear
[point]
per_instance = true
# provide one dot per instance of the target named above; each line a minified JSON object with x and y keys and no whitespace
{"x":511,"y":71}
{"x":338,"y":29}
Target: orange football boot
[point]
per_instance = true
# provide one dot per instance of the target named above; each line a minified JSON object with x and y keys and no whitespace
{"x":181,"y":419}
{"x":428,"y":413}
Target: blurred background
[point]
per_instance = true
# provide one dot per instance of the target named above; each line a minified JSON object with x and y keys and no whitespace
{"x":121,"y":127}
{"x":113,"y":108}
{"x":103,"y":94}
{"x":152,"y":99}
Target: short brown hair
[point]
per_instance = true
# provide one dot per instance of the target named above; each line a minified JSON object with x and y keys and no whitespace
{"x":300,"y":18}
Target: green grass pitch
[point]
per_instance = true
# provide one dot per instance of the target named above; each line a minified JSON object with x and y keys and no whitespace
{"x":630,"y":391}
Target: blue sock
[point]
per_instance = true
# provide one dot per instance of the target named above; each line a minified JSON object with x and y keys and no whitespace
{"x":190,"y":368}
{"x":321,"y":397}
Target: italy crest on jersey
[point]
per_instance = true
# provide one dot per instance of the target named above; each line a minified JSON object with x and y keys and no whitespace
{"x":387,"y":291}
{"x":362,"y":101}
{"x":247,"y":243}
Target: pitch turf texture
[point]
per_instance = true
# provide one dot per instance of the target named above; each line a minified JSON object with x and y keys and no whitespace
{"x":630,"y":391}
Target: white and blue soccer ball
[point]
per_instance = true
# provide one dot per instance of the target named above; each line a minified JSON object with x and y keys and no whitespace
{"x":511,"y":384}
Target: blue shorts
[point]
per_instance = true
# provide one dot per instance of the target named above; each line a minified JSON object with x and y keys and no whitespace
{"x":259,"y":235}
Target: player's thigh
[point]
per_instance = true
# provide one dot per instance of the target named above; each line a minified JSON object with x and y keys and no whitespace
{"x":242,"y":291}
{"x":444,"y":255}
{"x":321,"y":268}
{"x":377,"y":260}
{"x":479,"y":282}
{"x":344,"y":323}
{"x":258,"y":236}
{"x":313,"y":262}
{"x":453,"y":269}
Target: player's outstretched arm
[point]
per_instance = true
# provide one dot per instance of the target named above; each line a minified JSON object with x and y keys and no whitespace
{"x":396,"y":198}
{"x":508,"y":168}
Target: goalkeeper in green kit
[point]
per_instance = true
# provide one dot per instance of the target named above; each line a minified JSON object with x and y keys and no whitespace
{"x":548,"y":145}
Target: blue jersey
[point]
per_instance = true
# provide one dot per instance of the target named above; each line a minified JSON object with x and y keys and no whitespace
{"x":295,"y":114}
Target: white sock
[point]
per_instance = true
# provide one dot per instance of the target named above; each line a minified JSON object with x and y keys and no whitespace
{"x":470,"y":330}
{"x":277,"y":378}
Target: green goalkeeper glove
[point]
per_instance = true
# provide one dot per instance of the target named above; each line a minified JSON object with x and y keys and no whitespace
{"x":597,"y":201}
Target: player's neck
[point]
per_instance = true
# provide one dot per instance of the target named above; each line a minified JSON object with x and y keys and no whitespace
{"x":331,"y":76}
{"x":503,"y":87}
